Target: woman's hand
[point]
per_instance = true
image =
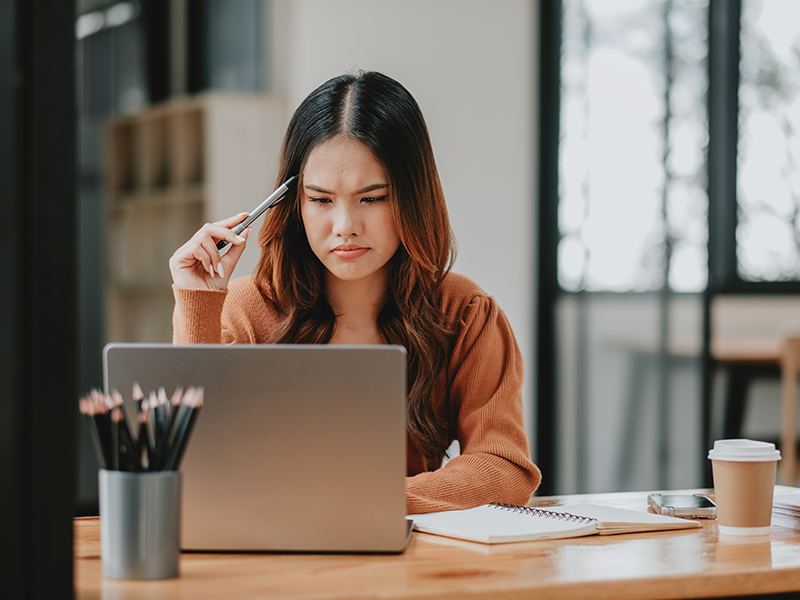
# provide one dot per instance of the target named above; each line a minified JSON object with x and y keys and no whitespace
{"x":197,"y":264}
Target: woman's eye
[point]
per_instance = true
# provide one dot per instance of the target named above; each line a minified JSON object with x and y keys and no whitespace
{"x":319,"y":200}
{"x":374,"y":199}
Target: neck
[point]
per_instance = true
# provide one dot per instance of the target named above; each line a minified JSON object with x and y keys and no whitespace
{"x":356,"y":305}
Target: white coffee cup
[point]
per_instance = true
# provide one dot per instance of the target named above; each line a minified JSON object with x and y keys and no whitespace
{"x":744,"y":479}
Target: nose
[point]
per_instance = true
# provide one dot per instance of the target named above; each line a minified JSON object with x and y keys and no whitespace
{"x":346,"y":221}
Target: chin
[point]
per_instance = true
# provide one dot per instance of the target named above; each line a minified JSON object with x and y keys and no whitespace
{"x":353,"y":274}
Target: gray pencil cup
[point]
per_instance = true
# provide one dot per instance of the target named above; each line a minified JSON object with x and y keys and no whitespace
{"x":140,"y":524}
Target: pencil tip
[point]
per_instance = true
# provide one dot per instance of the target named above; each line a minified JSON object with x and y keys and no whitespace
{"x":175,"y":400}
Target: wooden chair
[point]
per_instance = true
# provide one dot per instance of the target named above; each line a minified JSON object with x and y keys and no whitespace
{"x":790,"y":366}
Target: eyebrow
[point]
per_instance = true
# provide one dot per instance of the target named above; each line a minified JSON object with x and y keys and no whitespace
{"x":364,"y":190}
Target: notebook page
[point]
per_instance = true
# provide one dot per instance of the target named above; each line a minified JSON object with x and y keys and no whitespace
{"x":621,"y":520}
{"x":490,"y":524}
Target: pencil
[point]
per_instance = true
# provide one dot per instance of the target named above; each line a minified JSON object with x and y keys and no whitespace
{"x":86,"y":410}
{"x":160,"y":433}
{"x":144,"y":437}
{"x":115,"y":418}
{"x":177,"y":408}
{"x":161,"y":419}
{"x":175,"y":400}
{"x":137,"y":395}
{"x":152,"y":404}
{"x":172,"y":406}
{"x":102,"y":423}
{"x":184,"y":429}
{"x":126,"y":438}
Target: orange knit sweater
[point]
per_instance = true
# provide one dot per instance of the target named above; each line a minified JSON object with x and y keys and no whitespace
{"x":480,"y":399}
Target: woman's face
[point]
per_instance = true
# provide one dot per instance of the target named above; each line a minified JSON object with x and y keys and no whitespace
{"x":346,"y":205}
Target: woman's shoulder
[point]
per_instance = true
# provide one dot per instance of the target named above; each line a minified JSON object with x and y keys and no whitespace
{"x":455,"y":285}
{"x":458,"y":292}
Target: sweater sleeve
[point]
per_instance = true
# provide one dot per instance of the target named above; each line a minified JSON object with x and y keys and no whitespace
{"x":485,"y":410}
{"x":234,"y":316}
{"x":196,"y":318}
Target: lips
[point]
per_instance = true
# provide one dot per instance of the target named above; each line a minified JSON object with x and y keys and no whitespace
{"x":350,"y":251}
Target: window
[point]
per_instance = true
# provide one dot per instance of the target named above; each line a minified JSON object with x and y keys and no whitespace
{"x":670,"y":134}
{"x":632,"y":203}
{"x":768,"y":190}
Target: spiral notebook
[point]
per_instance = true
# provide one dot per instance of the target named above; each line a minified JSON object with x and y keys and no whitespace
{"x":497,"y":523}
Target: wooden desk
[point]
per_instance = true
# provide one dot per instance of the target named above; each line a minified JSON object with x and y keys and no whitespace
{"x":682,"y":564}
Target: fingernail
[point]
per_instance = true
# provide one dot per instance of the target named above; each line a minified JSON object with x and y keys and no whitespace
{"x":219,"y":270}
{"x":211,"y":269}
{"x":239,"y":238}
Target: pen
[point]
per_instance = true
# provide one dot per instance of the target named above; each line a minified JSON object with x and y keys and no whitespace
{"x":271,"y":201}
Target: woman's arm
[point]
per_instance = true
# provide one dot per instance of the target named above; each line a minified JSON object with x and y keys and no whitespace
{"x":485,"y":410}
{"x":238,"y":315}
{"x":200,"y":282}
{"x":197,"y":317}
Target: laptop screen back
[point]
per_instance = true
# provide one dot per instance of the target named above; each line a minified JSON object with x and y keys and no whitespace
{"x":296,"y":448}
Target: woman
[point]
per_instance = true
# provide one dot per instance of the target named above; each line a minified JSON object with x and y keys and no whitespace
{"x":359,"y":252}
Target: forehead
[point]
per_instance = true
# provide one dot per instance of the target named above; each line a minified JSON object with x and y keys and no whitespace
{"x":345,"y":162}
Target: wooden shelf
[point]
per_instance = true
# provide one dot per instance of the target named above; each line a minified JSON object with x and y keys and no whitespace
{"x":170,"y":169}
{"x":136,"y":200}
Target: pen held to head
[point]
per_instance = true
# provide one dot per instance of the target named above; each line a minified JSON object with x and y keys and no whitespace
{"x":271,"y":201}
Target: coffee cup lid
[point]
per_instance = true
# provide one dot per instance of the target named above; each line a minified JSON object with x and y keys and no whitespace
{"x":744,"y":451}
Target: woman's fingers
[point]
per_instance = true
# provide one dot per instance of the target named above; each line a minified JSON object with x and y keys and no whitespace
{"x":220,"y":232}
{"x":231,"y":222}
{"x":209,"y":246}
{"x":198,"y":255}
{"x":197,"y":263}
{"x":228,"y":262}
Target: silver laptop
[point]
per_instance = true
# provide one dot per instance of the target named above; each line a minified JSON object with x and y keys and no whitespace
{"x":297,"y":447}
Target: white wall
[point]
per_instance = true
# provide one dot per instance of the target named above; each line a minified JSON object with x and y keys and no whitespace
{"x":471,"y":65}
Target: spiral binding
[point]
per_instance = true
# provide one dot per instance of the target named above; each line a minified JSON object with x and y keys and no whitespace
{"x":540,"y":512}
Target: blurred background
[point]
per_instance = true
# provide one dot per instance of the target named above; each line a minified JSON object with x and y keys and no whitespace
{"x":621,"y":175}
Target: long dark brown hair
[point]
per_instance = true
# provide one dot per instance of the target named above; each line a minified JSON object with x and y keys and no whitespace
{"x":381,"y":114}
